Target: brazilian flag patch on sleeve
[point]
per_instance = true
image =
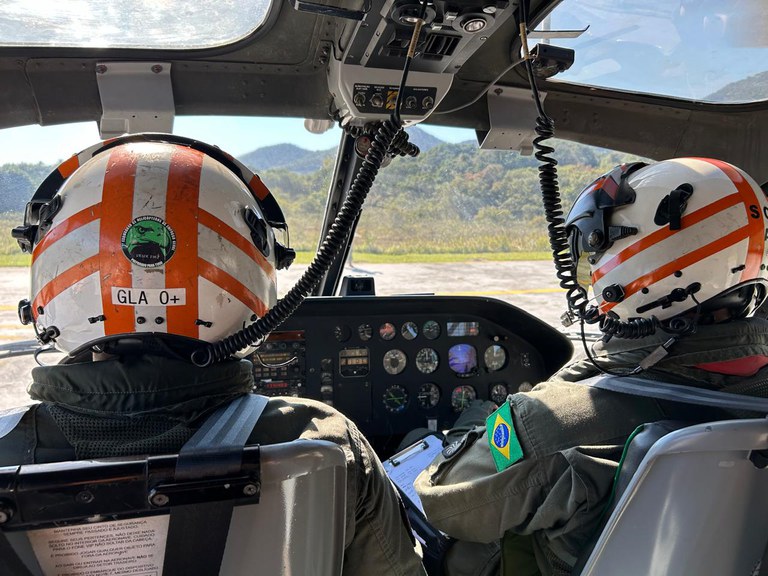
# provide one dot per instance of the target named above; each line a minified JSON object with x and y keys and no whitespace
{"x":505,"y":447}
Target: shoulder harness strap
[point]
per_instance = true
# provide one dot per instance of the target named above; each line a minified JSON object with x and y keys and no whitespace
{"x":677,"y":393}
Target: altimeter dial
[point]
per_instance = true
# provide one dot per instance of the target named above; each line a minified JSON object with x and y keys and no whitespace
{"x":499,"y":393}
{"x":395,"y":361}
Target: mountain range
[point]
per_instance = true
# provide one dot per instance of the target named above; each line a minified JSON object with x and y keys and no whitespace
{"x":291,"y":157}
{"x":19,"y":181}
{"x":453,"y":198}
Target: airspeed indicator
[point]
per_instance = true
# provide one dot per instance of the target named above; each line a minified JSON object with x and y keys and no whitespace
{"x":395,"y":361}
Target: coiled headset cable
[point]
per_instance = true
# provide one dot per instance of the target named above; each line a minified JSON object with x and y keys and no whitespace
{"x":577,"y":298}
{"x":389,"y":138}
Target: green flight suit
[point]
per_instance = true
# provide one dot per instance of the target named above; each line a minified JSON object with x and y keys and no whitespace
{"x":152,"y":405}
{"x":551,"y":502}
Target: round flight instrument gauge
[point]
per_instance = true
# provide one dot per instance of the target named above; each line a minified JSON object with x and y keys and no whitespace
{"x":431,"y":330}
{"x":365,"y":332}
{"x":462,"y":397}
{"x":395,"y":398}
{"x":429,"y":396}
{"x":409,"y":330}
{"x":341,"y":333}
{"x":387,"y":331}
{"x":495,"y":357}
{"x":395,"y":361}
{"x":499,"y":393}
{"x":427,"y":360}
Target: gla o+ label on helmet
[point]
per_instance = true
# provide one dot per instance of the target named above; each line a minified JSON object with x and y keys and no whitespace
{"x":149,"y":296}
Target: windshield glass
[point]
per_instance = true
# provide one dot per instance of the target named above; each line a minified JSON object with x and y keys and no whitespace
{"x":456,"y":220}
{"x":170,"y":24}
{"x":460,"y":221}
{"x":706,"y":50}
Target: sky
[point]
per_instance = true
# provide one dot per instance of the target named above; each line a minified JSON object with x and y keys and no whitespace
{"x":236,"y":135}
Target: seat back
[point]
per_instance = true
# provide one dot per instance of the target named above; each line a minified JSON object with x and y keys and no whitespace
{"x":698,"y":504}
{"x":298,"y":526}
{"x":111,"y":516}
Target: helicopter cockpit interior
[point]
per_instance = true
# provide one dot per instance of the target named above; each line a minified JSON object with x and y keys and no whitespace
{"x":631,"y":78}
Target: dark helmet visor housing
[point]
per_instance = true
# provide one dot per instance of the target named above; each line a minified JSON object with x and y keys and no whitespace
{"x":587,"y":224}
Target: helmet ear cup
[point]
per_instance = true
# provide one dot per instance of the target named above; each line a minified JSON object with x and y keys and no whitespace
{"x":739,"y":302}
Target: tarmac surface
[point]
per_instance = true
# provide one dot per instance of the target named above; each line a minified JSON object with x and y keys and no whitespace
{"x":530,"y":285}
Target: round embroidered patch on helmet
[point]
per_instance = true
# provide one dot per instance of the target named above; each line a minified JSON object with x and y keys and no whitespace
{"x":148,"y":241}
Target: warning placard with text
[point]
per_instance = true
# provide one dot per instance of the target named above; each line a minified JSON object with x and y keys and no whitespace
{"x":133,"y":547}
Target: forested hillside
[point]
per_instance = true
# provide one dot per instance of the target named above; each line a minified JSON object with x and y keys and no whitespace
{"x":453,"y":198}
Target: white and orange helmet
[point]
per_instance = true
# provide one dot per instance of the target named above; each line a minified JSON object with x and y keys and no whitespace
{"x":658,"y":239}
{"x":149,"y":234}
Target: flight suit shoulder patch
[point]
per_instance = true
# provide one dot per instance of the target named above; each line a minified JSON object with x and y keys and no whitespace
{"x":502,"y":438}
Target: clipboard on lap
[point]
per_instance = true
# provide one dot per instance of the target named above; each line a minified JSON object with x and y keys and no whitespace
{"x":403,"y":468}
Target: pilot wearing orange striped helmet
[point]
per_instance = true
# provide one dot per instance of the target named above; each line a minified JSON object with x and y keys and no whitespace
{"x":674,"y":243}
{"x":675,"y":253}
{"x":143,"y":248}
{"x":138,"y":237}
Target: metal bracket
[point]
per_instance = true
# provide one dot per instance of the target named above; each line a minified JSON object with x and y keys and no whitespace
{"x":336,"y":11}
{"x":200,"y":491}
{"x":512,"y":116}
{"x":556,"y":34}
{"x":135,"y":97}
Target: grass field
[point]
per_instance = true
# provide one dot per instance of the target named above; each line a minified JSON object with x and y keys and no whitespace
{"x":14,"y":260}
{"x":391,"y":250}
{"x":368,"y":258}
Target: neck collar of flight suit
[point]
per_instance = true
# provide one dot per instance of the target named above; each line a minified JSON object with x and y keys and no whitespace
{"x":141,"y":385}
{"x":711,"y":343}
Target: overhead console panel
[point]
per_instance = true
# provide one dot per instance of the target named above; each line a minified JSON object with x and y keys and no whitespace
{"x":365,"y":80}
{"x":452,"y":32}
{"x":366,"y":94}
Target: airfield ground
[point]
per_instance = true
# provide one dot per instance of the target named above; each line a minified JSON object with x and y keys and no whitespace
{"x":530,"y":285}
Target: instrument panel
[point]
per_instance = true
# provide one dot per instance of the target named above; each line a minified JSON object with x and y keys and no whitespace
{"x":392,"y":364}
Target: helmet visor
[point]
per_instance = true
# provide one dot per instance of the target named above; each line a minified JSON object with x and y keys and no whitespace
{"x":589,"y":213}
